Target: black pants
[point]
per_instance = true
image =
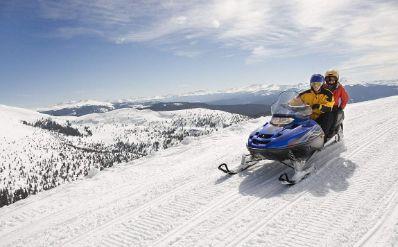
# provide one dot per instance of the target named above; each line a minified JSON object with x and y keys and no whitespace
{"x":337,"y":114}
{"x":332,"y":119}
{"x":326,"y":120}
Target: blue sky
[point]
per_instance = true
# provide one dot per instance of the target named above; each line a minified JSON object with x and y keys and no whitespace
{"x":56,"y":51}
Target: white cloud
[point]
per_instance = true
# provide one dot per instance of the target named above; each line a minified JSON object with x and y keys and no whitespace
{"x":187,"y":53}
{"x":69,"y":32}
{"x":216,"y":23}
{"x":365,"y":31}
{"x":372,"y":38}
{"x":180,"y":20}
{"x":257,"y":54}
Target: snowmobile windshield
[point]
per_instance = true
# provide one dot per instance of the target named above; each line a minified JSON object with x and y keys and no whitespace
{"x":289,"y":104}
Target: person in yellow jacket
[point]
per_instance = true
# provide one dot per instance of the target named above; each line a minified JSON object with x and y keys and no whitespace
{"x":321,"y":101}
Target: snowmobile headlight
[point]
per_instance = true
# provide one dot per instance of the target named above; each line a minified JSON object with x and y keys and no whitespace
{"x":280,"y":121}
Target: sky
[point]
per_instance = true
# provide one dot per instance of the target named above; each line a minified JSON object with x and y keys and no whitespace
{"x":58,"y":51}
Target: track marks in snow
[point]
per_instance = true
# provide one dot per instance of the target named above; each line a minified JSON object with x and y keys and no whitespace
{"x":385,"y":232}
{"x":224,"y":204}
{"x":183,"y":206}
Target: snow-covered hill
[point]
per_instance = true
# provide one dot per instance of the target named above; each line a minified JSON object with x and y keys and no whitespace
{"x":33,"y":159}
{"x":177,"y":197}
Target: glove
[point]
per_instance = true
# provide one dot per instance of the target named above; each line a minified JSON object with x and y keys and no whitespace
{"x":315,"y":106}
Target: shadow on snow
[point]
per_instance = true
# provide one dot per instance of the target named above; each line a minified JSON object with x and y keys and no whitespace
{"x":332,"y":174}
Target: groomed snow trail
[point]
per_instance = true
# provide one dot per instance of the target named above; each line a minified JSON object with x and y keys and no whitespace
{"x":179,"y":198}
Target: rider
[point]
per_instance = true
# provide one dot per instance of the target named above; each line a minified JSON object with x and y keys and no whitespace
{"x":340,"y":95}
{"x":321,"y":101}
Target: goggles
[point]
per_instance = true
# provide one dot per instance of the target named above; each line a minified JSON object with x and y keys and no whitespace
{"x":330,"y":79}
{"x":316,"y":84}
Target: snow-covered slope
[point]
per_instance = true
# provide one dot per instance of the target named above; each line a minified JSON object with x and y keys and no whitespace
{"x":33,"y":159}
{"x":146,"y":126}
{"x":177,"y":197}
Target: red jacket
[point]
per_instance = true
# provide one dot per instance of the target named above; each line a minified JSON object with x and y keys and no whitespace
{"x":340,"y":96}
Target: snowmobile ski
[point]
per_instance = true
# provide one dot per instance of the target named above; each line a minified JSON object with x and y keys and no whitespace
{"x":224,"y":168}
{"x":297,"y":177}
{"x":247,"y":161}
{"x":284,"y":179}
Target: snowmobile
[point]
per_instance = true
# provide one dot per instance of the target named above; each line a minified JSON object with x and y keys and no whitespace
{"x":290,"y":137}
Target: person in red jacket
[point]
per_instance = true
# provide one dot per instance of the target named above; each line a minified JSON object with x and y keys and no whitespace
{"x":340,"y":95}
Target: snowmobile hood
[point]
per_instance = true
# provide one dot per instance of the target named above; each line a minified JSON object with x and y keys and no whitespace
{"x":267,"y":130}
{"x":275,"y":137}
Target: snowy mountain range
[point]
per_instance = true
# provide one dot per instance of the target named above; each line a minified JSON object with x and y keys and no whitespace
{"x":252,"y":101}
{"x":177,"y":197}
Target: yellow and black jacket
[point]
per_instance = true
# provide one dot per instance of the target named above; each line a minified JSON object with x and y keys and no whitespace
{"x":323,"y":101}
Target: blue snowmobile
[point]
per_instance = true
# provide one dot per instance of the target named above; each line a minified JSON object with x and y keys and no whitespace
{"x":291,"y":137}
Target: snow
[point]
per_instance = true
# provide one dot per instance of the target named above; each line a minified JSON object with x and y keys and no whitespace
{"x":177,"y":197}
{"x":76,"y":104}
{"x":368,"y":83}
{"x":10,"y":117}
{"x":257,"y":88}
{"x":33,"y":159}
{"x":253,"y":88}
{"x":122,"y":123}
